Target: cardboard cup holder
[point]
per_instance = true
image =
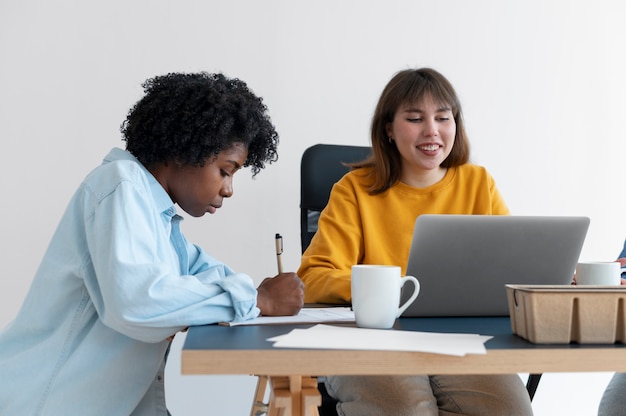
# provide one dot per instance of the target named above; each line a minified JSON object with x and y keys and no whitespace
{"x":545,"y":314}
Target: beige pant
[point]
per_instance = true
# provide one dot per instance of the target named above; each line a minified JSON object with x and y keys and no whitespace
{"x":473,"y":395}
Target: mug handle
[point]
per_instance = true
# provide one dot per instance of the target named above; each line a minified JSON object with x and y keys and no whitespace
{"x":416,"y":292}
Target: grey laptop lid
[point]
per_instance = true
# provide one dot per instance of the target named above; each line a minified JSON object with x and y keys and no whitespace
{"x":464,"y":261}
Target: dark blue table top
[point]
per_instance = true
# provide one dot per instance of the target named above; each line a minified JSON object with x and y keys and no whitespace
{"x":215,"y":337}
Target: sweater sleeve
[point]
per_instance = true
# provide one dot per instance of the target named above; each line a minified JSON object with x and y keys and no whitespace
{"x":335,"y":247}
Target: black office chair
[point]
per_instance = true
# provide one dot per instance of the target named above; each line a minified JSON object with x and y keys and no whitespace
{"x":322,"y":165}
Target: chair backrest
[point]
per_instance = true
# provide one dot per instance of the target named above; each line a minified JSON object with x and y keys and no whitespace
{"x":322,"y":165}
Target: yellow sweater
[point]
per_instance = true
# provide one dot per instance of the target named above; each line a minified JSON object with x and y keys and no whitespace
{"x":358,"y":228}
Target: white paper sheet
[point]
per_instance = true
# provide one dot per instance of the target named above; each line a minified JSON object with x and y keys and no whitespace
{"x":306,"y":316}
{"x":350,"y":338}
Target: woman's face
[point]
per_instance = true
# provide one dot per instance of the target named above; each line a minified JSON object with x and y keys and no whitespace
{"x":424,"y":134}
{"x":198,"y":190}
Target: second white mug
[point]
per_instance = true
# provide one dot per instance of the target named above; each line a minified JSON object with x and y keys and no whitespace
{"x":605,"y":273}
{"x":376,"y":295}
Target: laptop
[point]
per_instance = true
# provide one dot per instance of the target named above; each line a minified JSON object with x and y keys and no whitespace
{"x":463,"y":262}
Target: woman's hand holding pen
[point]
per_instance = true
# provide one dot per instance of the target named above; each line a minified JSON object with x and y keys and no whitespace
{"x":281,"y":295}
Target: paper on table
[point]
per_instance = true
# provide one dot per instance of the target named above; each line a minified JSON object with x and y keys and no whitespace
{"x":350,"y":338}
{"x":306,"y":316}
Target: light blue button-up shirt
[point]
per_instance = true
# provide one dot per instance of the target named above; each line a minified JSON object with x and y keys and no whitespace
{"x":116,"y":281}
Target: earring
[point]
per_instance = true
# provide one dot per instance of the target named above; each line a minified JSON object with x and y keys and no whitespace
{"x":390,"y":139}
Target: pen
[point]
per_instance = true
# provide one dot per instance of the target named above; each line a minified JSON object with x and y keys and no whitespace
{"x":279,"y":251}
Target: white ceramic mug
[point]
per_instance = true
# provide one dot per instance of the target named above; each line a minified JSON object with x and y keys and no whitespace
{"x":605,"y":273}
{"x":376,"y":295}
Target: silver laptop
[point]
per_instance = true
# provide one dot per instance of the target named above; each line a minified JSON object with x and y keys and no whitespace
{"x":464,"y":261}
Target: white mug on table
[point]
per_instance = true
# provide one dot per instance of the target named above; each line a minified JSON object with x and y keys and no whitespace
{"x":376,"y":295}
{"x":604,"y":273}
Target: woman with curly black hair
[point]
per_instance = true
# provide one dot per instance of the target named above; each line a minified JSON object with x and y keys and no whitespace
{"x":119,"y":279}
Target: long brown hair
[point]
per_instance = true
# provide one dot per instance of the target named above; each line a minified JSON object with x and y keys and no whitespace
{"x":409,"y":86}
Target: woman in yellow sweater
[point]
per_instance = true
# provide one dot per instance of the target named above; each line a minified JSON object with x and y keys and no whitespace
{"x":419,"y":165}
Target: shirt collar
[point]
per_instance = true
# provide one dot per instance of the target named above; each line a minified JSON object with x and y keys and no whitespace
{"x":162,"y":200}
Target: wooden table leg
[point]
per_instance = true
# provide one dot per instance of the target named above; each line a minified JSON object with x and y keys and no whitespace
{"x":259,"y":407}
{"x":311,"y":397}
{"x":294,"y":396}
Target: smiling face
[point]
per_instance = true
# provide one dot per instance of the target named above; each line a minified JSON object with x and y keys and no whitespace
{"x":424,"y":134}
{"x":201,"y":189}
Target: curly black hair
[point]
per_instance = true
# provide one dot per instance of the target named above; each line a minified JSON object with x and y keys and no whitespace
{"x":188,"y":118}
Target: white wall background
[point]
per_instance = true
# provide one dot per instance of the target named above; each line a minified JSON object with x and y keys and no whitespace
{"x":542,"y":83}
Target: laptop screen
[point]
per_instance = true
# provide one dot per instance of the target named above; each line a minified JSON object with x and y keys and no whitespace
{"x":463,"y":262}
